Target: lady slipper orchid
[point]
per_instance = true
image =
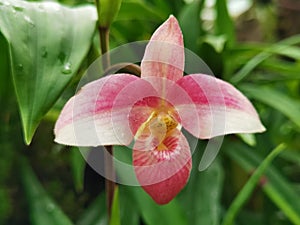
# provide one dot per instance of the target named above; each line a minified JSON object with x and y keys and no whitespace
{"x":151,"y":111}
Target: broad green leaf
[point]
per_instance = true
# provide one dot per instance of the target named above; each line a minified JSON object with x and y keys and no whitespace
{"x":283,"y":103}
{"x":95,"y":214}
{"x":249,"y":187}
{"x":152,"y":213}
{"x":42,"y":209}
{"x":115,"y":211}
{"x":189,"y":19}
{"x":223,"y":23}
{"x":47,"y":43}
{"x":202,"y":195}
{"x":4,"y":69}
{"x":277,"y":188}
{"x":77,"y":165}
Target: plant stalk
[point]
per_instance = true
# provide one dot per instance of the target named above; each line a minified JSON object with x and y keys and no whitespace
{"x":104,"y":44}
{"x":110,"y":185}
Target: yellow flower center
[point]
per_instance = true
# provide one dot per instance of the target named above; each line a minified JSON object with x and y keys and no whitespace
{"x":156,"y":128}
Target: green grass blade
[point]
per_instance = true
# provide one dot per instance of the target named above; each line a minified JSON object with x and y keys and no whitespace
{"x":223,"y":23}
{"x":95,"y":214}
{"x":280,"y":47}
{"x":286,"y":105}
{"x":247,"y":190}
{"x":115,"y":211}
{"x":276,"y":187}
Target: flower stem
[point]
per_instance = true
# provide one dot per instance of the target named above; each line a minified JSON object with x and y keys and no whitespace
{"x":109,"y":165}
{"x":110,"y":185}
{"x":104,"y":44}
{"x":124,"y":68}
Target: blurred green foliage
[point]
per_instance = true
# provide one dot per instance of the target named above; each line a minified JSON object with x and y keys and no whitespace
{"x":61,"y":189}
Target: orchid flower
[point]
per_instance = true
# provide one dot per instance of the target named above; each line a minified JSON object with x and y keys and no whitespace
{"x":150,"y":112}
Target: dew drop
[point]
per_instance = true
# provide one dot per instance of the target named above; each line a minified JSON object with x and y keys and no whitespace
{"x":67,"y":68}
{"x":50,"y":207}
{"x":20,"y":67}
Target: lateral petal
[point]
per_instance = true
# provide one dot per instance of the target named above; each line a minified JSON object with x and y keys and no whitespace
{"x":163,"y":173}
{"x":94,"y":115}
{"x":164,"y":54}
{"x":221,"y":108}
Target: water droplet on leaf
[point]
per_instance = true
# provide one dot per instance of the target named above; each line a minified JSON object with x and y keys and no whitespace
{"x":67,"y":68}
{"x":50,"y":207}
{"x":20,"y":67}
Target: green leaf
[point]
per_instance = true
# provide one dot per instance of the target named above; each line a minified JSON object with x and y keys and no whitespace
{"x":77,"y":166}
{"x":4,"y":69}
{"x":277,"y":48}
{"x":249,"y":187}
{"x":115,"y":211}
{"x":189,"y":19}
{"x":152,"y":213}
{"x":249,"y":139}
{"x":95,"y":214}
{"x":127,"y":208}
{"x":202,"y":195}
{"x":42,"y":209}
{"x":280,"y":70}
{"x":50,"y":44}
{"x":277,"y":188}
{"x":223,"y":23}
{"x":139,"y":10}
{"x":283,"y":103}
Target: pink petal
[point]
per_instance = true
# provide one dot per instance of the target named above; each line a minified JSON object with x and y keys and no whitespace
{"x":163,"y":173}
{"x":95,"y":115}
{"x":164,"y":54}
{"x":221,"y":108}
